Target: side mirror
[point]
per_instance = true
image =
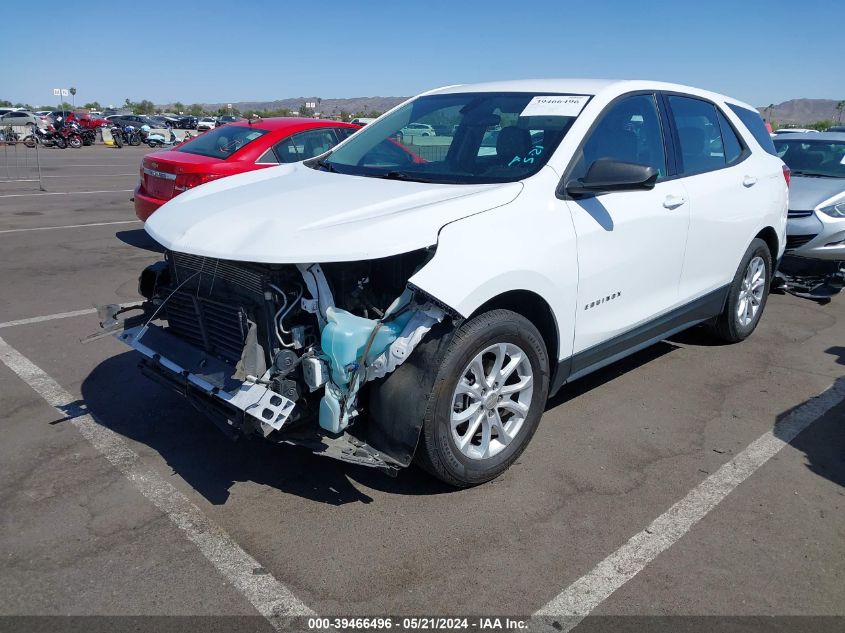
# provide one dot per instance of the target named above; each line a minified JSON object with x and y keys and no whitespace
{"x":606,"y":175}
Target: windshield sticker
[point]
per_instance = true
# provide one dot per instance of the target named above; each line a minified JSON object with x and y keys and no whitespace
{"x":555,"y":105}
{"x":842,"y":162}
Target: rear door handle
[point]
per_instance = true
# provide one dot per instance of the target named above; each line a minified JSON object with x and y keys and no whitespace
{"x":673,"y":202}
{"x":749,"y":181}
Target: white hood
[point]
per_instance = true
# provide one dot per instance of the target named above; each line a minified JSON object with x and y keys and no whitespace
{"x":295,"y":214}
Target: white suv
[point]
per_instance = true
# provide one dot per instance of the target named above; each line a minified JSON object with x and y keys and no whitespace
{"x":378,"y":305}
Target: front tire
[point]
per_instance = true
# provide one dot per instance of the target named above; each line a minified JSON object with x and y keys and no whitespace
{"x":489,"y":393}
{"x":747,"y":296}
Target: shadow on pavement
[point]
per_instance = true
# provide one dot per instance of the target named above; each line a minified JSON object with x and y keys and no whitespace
{"x":699,"y":336}
{"x":610,"y":373}
{"x":823,"y":441}
{"x":121,"y":399}
{"x":839,"y":352}
{"x":139,"y":238}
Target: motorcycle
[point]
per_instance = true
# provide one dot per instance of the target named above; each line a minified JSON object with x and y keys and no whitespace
{"x":117,"y":136}
{"x":125,"y":135}
{"x":9,"y":136}
{"x":72,"y":134}
{"x":133,"y":137}
{"x":47,"y":138}
{"x":158,"y":140}
{"x":89,"y":136}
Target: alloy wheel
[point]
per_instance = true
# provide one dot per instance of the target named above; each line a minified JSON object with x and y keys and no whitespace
{"x":751,"y":291}
{"x":491,"y":400}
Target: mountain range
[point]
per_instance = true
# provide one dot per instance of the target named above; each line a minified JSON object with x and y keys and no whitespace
{"x":327,"y":107}
{"x":804,"y":111}
{"x":794,"y":111}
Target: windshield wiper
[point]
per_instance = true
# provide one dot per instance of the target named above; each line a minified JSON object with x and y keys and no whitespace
{"x":325,"y":164}
{"x":401,"y":175}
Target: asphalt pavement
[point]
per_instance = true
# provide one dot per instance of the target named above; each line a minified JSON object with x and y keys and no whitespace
{"x":687,"y":442}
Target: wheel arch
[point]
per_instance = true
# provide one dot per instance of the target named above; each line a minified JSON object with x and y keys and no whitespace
{"x":770,"y":237}
{"x":534,"y":308}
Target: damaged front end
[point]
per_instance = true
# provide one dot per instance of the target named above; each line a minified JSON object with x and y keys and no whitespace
{"x":287,"y":352}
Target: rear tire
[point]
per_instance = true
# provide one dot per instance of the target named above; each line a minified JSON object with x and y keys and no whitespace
{"x":498,"y":416}
{"x":747,"y":296}
{"x":60,"y":142}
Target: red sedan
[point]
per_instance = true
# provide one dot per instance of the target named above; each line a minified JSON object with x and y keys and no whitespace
{"x":232,"y":149}
{"x":91,"y":123}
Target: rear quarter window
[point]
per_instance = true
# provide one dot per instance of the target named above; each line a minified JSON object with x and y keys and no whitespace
{"x":754,"y":122}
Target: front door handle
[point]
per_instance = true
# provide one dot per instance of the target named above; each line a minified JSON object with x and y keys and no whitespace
{"x":749,"y":181}
{"x":673,"y":202}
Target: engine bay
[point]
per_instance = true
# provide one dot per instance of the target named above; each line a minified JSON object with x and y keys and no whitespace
{"x":284,"y":351}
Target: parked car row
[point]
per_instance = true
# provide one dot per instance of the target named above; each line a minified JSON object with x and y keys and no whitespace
{"x":94,"y":119}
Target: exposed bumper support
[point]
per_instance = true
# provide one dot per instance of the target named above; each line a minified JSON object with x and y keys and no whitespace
{"x":270,"y":409}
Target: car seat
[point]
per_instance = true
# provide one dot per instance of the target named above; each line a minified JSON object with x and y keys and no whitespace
{"x":512,"y":142}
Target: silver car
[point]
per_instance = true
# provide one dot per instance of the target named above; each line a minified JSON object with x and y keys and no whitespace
{"x":816,"y":226}
{"x":18,"y":118}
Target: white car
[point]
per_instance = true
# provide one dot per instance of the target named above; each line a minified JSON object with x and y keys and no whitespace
{"x":794,"y":130}
{"x":417,"y":129}
{"x":19,"y":118}
{"x":206,"y":123}
{"x":380,"y":308}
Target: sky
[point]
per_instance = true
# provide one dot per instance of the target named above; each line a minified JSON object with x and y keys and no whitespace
{"x":256,"y":50}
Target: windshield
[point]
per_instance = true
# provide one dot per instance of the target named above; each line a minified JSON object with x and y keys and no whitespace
{"x":222,"y":142}
{"x":812,"y":158}
{"x":465,"y":138}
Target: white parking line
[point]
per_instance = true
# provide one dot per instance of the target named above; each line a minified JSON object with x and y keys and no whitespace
{"x":68,"y":226}
{"x":581,"y":597}
{"x":62,"y":193}
{"x":74,"y":165}
{"x":134,"y":173}
{"x":49,"y":317}
{"x":271,"y":598}
{"x":60,"y":315}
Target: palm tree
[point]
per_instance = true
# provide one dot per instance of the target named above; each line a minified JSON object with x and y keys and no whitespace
{"x":73,"y":94}
{"x":839,"y":107}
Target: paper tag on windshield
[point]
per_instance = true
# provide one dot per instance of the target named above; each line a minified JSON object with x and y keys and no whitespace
{"x":555,"y":105}
{"x":842,"y":162}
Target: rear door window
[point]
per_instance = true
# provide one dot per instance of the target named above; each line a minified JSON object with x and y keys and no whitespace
{"x":699,"y":133}
{"x":344,"y":133}
{"x":305,"y":145}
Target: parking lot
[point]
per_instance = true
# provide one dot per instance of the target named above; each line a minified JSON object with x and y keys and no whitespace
{"x":668,"y":484}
